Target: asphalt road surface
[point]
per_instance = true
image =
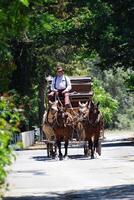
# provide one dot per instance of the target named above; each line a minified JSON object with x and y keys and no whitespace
{"x":110,"y":176}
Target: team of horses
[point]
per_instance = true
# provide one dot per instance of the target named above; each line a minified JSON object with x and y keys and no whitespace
{"x":59,"y":124}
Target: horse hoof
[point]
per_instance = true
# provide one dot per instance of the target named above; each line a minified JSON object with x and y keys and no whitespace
{"x":56,"y":157}
{"x":66,"y":157}
{"x":61,"y":157}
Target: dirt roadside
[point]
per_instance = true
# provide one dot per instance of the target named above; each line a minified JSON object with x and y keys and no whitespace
{"x":118,"y":134}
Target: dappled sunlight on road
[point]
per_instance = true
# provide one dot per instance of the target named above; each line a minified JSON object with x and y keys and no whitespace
{"x":109,"y":176}
{"x":115,"y":192}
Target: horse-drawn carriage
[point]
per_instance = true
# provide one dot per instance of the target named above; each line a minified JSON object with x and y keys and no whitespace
{"x":82,"y":121}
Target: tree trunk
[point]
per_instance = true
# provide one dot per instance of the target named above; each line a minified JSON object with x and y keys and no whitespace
{"x":41,"y":95}
{"x":61,"y":8}
{"x":21,"y":77}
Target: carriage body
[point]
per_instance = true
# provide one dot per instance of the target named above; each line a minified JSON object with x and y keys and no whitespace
{"x":81,"y":88}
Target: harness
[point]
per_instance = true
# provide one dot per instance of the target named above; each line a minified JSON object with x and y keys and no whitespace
{"x":51,"y":123}
{"x":56,"y":80}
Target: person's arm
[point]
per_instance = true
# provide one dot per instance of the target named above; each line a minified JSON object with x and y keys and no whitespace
{"x":69,"y":86}
{"x":52,"y":85}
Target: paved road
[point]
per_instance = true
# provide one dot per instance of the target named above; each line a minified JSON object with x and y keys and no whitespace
{"x":35,"y":177}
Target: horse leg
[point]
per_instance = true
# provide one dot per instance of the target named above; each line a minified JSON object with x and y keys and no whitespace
{"x":66,"y":148}
{"x":53,"y":150}
{"x":48,"y":150}
{"x":98,"y":146}
{"x":85,"y":148}
{"x":91,"y":147}
{"x":59,"y":148}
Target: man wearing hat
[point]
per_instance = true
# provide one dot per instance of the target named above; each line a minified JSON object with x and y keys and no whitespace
{"x":60,"y":86}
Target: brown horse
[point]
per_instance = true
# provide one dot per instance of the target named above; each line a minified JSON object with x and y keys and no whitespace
{"x":63,"y":125}
{"x":57,"y":126}
{"x":47,"y":127}
{"x":92,"y":123}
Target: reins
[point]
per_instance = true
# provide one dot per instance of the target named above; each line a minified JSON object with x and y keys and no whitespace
{"x":58,"y":98}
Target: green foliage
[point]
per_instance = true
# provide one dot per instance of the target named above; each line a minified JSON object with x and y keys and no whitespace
{"x":29,"y":108}
{"x":9,"y":118}
{"x":114,"y":81}
{"x":13,"y":24}
{"x":130,"y":81}
{"x":25,"y":2}
{"x":19,"y":145}
{"x":84,"y":36}
{"x":108,"y":105}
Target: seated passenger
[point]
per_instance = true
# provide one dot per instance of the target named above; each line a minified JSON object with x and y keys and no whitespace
{"x":60,"y":87}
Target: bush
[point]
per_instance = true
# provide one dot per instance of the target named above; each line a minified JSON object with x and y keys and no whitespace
{"x":108,"y":105}
{"x":9,"y":118}
{"x":116,"y":83}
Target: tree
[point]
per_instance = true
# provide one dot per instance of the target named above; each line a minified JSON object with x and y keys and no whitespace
{"x":115,"y":83}
{"x":13,"y":24}
{"x":88,"y":34}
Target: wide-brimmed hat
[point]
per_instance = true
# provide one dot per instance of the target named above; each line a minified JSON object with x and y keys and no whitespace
{"x":59,"y":69}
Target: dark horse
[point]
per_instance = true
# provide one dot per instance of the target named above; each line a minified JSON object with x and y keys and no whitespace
{"x":92,"y":123}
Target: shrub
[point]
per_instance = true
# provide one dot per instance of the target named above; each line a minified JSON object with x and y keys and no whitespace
{"x":9,"y":118}
{"x":116,"y":83}
{"x":108,"y":105}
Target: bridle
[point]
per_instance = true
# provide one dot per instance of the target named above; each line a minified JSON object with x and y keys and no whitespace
{"x":87,"y":117}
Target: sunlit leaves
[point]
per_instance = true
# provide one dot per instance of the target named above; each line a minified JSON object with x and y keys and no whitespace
{"x":25,"y":2}
{"x":108,"y":105}
{"x":8,"y":126}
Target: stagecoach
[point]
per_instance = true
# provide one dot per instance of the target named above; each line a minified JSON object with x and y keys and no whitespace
{"x":81,"y":92}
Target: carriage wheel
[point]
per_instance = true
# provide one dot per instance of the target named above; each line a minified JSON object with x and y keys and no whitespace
{"x":98,"y":149}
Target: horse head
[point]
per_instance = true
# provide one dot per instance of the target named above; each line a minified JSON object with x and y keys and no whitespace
{"x":53,"y":106}
{"x":94,"y":113}
{"x":83,"y":110}
{"x":63,"y":117}
{"x":94,"y":108}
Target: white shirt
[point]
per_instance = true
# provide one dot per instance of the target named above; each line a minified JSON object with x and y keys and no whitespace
{"x":60,"y":83}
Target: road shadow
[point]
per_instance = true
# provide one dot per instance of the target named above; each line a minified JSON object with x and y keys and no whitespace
{"x":82,"y":156}
{"x":41,"y":158}
{"x":73,"y":157}
{"x":117,"y":144}
{"x":32,"y":172}
{"x":79,"y":157}
{"x":108,"y":193}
